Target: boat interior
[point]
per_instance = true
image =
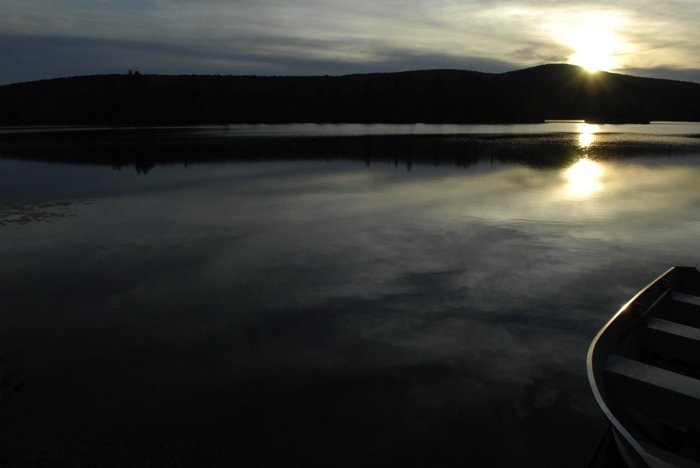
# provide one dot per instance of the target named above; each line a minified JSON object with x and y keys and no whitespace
{"x":651,"y":368}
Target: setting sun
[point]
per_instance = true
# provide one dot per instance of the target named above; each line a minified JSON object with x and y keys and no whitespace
{"x":594,"y":50}
{"x":596,"y":40}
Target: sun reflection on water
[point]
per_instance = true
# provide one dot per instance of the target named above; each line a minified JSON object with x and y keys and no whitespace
{"x":587,"y":135}
{"x":584,"y":178}
{"x":584,"y":175}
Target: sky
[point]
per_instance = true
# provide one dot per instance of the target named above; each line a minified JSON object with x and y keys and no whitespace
{"x":42,"y":39}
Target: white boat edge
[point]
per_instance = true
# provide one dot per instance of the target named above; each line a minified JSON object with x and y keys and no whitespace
{"x":631,"y":450}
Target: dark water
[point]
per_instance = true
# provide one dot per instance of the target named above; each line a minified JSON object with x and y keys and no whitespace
{"x":355,"y":303}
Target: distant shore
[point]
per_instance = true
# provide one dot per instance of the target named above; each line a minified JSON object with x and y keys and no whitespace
{"x":534,"y":95}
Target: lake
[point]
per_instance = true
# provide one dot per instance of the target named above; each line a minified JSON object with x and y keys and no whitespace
{"x":325,"y":295}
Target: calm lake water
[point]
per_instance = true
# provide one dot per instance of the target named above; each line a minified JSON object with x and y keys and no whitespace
{"x":325,"y":295}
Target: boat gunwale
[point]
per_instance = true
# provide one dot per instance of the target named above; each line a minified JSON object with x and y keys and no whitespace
{"x":593,"y":370}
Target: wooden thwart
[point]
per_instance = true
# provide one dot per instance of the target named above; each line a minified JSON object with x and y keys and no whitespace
{"x":655,"y":376}
{"x":685,"y":298}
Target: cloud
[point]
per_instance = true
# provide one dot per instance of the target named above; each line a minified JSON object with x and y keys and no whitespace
{"x":692,"y":74}
{"x":32,"y":58}
{"x":332,"y":37}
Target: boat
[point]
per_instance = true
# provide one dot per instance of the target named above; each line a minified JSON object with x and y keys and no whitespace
{"x":644,"y":370}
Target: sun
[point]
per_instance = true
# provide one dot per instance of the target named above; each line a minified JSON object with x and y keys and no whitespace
{"x":594,"y":50}
{"x":595,"y":39}
{"x":593,"y":61}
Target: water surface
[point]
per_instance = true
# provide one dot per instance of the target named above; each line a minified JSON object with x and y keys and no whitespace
{"x":362,"y":302}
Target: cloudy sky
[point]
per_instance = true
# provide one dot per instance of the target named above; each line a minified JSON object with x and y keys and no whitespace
{"x":53,"y":38}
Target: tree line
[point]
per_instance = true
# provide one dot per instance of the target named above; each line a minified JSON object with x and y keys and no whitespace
{"x":432,"y":96}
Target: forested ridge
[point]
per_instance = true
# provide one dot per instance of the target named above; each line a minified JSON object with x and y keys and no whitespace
{"x":432,"y":96}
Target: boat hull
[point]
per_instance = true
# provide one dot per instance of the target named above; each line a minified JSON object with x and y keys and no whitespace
{"x":644,"y":370}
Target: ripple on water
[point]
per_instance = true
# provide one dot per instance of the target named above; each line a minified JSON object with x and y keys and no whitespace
{"x":25,"y":213}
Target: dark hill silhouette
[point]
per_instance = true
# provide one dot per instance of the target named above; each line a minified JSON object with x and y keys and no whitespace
{"x":554,"y":91}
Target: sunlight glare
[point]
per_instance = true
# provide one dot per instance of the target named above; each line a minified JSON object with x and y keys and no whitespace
{"x":584,"y":178}
{"x":586,"y":136}
{"x":594,"y":50}
{"x":597,"y":40}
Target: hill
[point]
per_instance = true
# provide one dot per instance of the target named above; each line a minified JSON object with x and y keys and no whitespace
{"x":554,"y":91}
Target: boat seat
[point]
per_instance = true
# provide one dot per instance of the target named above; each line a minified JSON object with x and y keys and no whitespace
{"x":685,"y":298}
{"x":681,"y":308}
{"x":673,"y":341}
{"x":655,"y":391}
